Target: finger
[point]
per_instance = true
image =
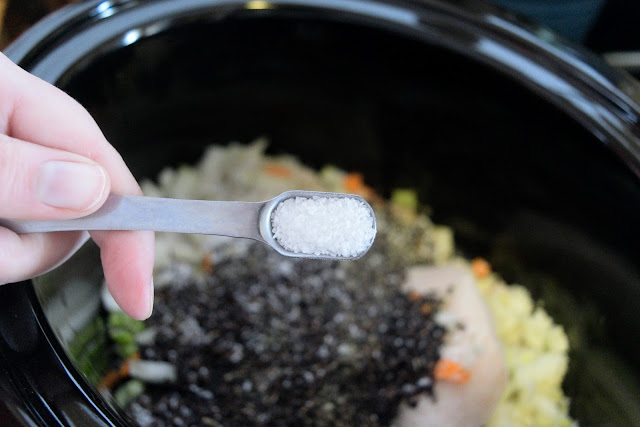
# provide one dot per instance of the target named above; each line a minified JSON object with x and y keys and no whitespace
{"x":128,"y":259}
{"x":29,"y":255}
{"x":42,"y":114}
{"x":44,"y":183}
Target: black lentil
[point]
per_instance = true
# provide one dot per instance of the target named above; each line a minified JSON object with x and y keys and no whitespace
{"x":279,"y":341}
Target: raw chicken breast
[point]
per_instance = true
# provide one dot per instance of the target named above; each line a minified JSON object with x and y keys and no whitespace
{"x":476,"y":347}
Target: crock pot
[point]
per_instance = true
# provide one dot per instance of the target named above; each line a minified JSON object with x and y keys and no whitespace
{"x":527,"y":145}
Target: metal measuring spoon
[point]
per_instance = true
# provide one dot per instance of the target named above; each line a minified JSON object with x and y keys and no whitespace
{"x":251,"y":220}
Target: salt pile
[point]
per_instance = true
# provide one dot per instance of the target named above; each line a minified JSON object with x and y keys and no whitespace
{"x":332,"y":226}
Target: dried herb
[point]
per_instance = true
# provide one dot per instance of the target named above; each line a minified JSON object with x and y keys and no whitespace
{"x":278,"y":341}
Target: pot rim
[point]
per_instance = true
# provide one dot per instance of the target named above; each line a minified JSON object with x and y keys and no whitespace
{"x":602,"y":99}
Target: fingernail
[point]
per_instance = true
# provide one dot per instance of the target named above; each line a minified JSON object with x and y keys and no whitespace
{"x":151,"y":293}
{"x":71,"y":185}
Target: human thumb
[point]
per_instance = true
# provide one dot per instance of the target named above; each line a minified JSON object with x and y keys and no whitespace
{"x":41,"y":183}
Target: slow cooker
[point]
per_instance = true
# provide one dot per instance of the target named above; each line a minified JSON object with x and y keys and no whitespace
{"x":524,"y":143}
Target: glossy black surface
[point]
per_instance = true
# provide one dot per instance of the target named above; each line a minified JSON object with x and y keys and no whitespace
{"x":525,"y":145}
{"x":38,"y":384}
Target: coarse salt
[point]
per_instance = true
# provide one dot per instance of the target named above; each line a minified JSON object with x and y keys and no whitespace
{"x":333,"y":226}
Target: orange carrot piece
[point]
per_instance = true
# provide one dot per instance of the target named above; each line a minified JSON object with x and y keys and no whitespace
{"x":480,"y":267}
{"x":414,"y":295}
{"x":425,"y":309}
{"x":110,"y":379}
{"x":124,"y":369}
{"x":448,"y":370}
{"x":114,"y":377}
{"x":353,"y":182}
{"x":277,"y":171}
{"x":207,"y":264}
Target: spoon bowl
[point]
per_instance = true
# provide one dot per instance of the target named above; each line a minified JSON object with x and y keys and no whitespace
{"x":266,"y":229}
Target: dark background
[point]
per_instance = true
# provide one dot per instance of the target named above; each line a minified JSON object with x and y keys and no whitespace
{"x":615,"y":27}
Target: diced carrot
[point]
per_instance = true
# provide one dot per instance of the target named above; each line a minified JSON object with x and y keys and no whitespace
{"x":448,"y":370}
{"x":115,"y":376}
{"x":110,"y":379}
{"x":277,"y":170}
{"x":414,"y":295}
{"x":207,"y":264}
{"x":425,"y":309}
{"x":124,"y":369}
{"x":353,"y":182}
{"x":480,"y":267}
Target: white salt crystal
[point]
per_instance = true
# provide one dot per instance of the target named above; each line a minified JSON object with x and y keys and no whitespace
{"x":333,"y":226}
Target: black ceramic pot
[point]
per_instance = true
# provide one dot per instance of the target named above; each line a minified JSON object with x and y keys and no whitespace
{"x":526,"y":145}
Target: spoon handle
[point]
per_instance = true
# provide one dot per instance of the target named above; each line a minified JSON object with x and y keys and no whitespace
{"x":233,"y":219}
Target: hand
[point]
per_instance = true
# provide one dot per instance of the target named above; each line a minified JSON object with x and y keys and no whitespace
{"x":56,"y":164}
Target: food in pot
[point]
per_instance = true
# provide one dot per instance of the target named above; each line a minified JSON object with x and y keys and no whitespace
{"x":410,"y":334}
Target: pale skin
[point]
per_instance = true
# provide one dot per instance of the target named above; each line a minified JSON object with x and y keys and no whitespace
{"x":55,"y":163}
